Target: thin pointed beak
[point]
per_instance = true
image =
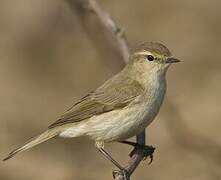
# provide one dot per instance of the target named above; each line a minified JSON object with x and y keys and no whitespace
{"x":172,"y":60}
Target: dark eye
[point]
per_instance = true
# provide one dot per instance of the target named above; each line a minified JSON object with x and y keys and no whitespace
{"x":150,"y":57}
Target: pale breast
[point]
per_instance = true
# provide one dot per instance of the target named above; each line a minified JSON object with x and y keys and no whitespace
{"x":124,"y":123}
{"x":152,"y":104}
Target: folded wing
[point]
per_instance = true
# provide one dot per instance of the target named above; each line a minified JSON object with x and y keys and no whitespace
{"x":111,"y":95}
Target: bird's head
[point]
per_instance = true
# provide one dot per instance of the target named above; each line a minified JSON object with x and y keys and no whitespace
{"x":152,"y":57}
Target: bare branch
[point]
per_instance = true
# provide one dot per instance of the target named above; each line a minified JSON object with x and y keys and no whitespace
{"x":86,"y":10}
{"x":111,"y":26}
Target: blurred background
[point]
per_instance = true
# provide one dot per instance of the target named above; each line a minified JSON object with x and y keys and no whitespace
{"x":47,"y":62}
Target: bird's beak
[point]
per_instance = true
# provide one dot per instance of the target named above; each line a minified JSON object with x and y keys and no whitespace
{"x":172,"y":60}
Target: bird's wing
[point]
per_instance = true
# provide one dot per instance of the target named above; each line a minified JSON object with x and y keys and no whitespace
{"x":111,"y":95}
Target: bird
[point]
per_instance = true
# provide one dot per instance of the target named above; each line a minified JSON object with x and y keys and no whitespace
{"x":120,"y":108}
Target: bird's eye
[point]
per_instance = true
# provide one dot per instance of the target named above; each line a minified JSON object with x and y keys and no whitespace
{"x":150,"y":57}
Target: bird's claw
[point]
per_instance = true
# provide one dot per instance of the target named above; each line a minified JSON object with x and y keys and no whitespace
{"x":148,"y":151}
{"x":122,"y":172}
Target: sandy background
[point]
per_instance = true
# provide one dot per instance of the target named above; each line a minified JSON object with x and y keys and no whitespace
{"x":47,"y":62}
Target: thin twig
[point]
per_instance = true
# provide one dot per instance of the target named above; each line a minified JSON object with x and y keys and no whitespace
{"x":111,"y":26}
{"x":84,"y":10}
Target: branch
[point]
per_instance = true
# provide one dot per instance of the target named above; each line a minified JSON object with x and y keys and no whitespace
{"x":110,"y":26}
{"x":86,"y":8}
{"x":92,"y":16}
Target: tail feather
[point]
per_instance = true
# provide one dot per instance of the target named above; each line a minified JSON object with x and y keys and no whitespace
{"x":34,"y":141}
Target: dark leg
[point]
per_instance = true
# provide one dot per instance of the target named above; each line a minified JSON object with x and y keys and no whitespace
{"x":108,"y":156}
{"x":147,"y":150}
{"x":129,"y":143}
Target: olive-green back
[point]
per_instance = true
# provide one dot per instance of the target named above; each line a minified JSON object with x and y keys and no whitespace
{"x":115,"y":93}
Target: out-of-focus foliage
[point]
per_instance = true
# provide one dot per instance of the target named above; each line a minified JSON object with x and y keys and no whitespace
{"x":47,"y":62}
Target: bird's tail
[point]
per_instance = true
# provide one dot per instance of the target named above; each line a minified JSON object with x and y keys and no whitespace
{"x":50,"y":133}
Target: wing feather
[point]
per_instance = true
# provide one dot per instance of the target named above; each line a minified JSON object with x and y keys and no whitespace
{"x":111,"y":95}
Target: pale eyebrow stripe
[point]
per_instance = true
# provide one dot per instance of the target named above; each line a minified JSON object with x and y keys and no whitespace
{"x":143,"y":53}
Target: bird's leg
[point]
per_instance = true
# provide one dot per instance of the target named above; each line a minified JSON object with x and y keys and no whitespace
{"x":147,"y":150}
{"x":100,"y":148}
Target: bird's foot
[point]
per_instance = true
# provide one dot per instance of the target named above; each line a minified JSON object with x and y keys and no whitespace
{"x":122,"y":172}
{"x":147,"y":150}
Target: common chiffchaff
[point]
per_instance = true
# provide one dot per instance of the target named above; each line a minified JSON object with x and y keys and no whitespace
{"x":119,"y":109}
